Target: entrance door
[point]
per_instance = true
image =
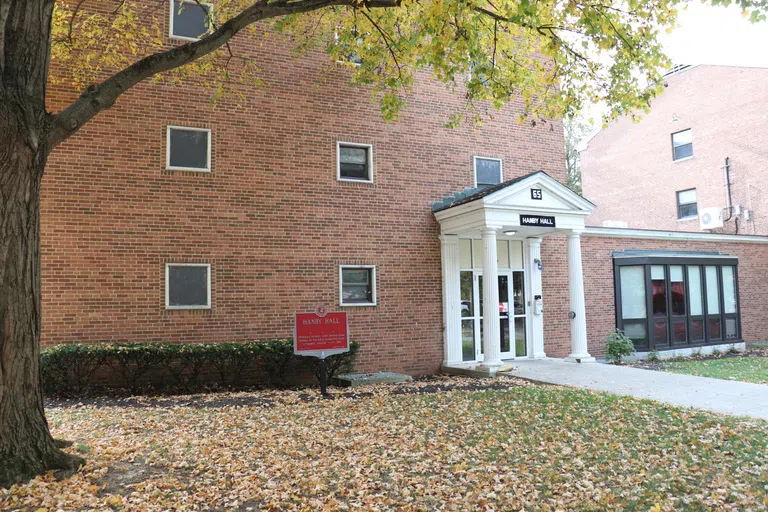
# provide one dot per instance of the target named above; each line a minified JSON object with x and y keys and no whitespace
{"x":512,"y":314}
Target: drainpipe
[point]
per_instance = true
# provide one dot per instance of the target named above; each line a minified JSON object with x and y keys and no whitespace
{"x":728,"y":203}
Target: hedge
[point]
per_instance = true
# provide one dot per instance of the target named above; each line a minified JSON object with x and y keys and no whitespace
{"x":79,"y":369}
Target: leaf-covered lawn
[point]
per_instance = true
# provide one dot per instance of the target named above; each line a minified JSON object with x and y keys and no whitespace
{"x":746,"y":369}
{"x":526,"y":447}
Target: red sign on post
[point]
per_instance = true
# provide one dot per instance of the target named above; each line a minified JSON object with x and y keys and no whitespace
{"x":320,"y":336}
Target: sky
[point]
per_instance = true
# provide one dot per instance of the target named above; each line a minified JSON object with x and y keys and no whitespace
{"x":717,"y":35}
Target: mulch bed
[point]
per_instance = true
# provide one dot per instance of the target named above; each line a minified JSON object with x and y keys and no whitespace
{"x":759,"y":351}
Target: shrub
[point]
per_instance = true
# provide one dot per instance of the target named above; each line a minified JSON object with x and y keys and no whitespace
{"x":653,"y":356}
{"x":73,"y":369}
{"x":618,"y":346}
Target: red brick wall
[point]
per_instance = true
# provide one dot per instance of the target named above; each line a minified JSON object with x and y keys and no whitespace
{"x":271,"y":218}
{"x":628,"y":171}
{"x":599,"y":282}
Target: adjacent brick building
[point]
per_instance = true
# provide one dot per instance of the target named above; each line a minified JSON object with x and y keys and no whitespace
{"x":171,"y":219}
{"x":723,"y":112}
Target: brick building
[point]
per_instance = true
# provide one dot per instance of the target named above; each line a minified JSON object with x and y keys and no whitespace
{"x":171,"y":219}
{"x":676,"y":156}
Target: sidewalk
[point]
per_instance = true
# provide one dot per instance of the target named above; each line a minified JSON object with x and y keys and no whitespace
{"x":722,"y":396}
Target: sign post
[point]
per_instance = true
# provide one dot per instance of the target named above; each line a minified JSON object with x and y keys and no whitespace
{"x":321,"y":334}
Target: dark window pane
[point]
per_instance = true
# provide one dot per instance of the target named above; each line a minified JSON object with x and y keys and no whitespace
{"x":660,"y":332}
{"x":687,"y":210}
{"x":189,"y":148}
{"x":678,"y":331}
{"x":467,"y":299}
{"x":504,"y":334}
{"x":357,"y":285}
{"x":731,"y":332}
{"x":697,"y":330}
{"x":468,"y":340}
{"x":187,"y":286}
{"x":190,"y":19}
{"x":504,"y":295}
{"x":488,"y":172}
{"x":677,"y":291}
{"x":518,"y":286}
{"x":714,"y":329}
{"x":354,"y":163}
{"x":683,"y":151}
{"x":658,"y":290}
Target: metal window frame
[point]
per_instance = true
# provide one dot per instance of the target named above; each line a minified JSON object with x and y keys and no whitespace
{"x":674,"y":153}
{"x":369,"y":150}
{"x":718,"y":261}
{"x":207,"y":5}
{"x":168,"y":285}
{"x":475,"y":158}
{"x":374,"y":297}
{"x":170,"y":167}
{"x":679,"y":204}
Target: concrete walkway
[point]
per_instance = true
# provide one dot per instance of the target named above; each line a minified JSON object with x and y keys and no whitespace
{"x":722,"y":396}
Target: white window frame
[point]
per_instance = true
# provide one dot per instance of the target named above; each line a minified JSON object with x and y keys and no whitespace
{"x":168,"y":288}
{"x":341,"y":286}
{"x":185,"y":38}
{"x":369,"y":147}
{"x":168,"y":165}
{"x":501,"y":166}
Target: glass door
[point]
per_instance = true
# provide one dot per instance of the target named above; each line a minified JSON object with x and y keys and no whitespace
{"x":512,"y":316}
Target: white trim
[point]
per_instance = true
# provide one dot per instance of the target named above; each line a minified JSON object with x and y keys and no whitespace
{"x":705,"y":350}
{"x":369,"y":147}
{"x":168,"y":165}
{"x":501,"y":166}
{"x":651,"y":234}
{"x":167,"y":288}
{"x":373,"y":286}
{"x":185,"y":38}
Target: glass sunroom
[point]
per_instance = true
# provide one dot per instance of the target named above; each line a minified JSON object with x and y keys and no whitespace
{"x":676,"y":300}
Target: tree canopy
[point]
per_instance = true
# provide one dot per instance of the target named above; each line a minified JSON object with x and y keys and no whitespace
{"x":556,"y":56}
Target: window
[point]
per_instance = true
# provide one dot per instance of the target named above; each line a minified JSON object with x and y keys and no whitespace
{"x":357,"y":285}
{"x":190,"y":20}
{"x":354,"y":162}
{"x":487,"y":172}
{"x":188,"y":286}
{"x":682,"y":145}
{"x":676,"y":301}
{"x":686,"y":204}
{"x":188,"y":149}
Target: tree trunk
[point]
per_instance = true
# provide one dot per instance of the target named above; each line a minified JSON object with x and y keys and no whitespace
{"x":26,"y":446}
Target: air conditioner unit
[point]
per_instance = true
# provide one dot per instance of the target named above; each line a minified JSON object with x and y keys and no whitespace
{"x":710,"y":218}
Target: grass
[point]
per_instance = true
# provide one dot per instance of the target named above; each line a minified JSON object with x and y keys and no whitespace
{"x":523,"y":448}
{"x":746,"y":369}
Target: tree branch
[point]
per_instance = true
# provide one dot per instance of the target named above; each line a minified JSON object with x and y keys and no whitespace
{"x":102,"y":96}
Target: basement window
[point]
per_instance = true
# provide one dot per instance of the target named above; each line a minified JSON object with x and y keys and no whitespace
{"x":357,"y":285}
{"x":190,"y":20}
{"x":354,"y":162}
{"x":188,"y":149}
{"x":188,"y":286}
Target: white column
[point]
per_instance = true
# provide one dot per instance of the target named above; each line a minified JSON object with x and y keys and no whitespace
{"x":579,"y":351}
{"x":491,"y":335}
{"x":449,"y":245}
{"x":537,"y":320}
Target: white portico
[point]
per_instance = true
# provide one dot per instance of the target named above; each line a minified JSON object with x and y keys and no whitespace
{"x":491,"y":254}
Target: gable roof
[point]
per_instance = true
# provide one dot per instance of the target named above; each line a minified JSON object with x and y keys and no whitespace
{"x":462,"y":198}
